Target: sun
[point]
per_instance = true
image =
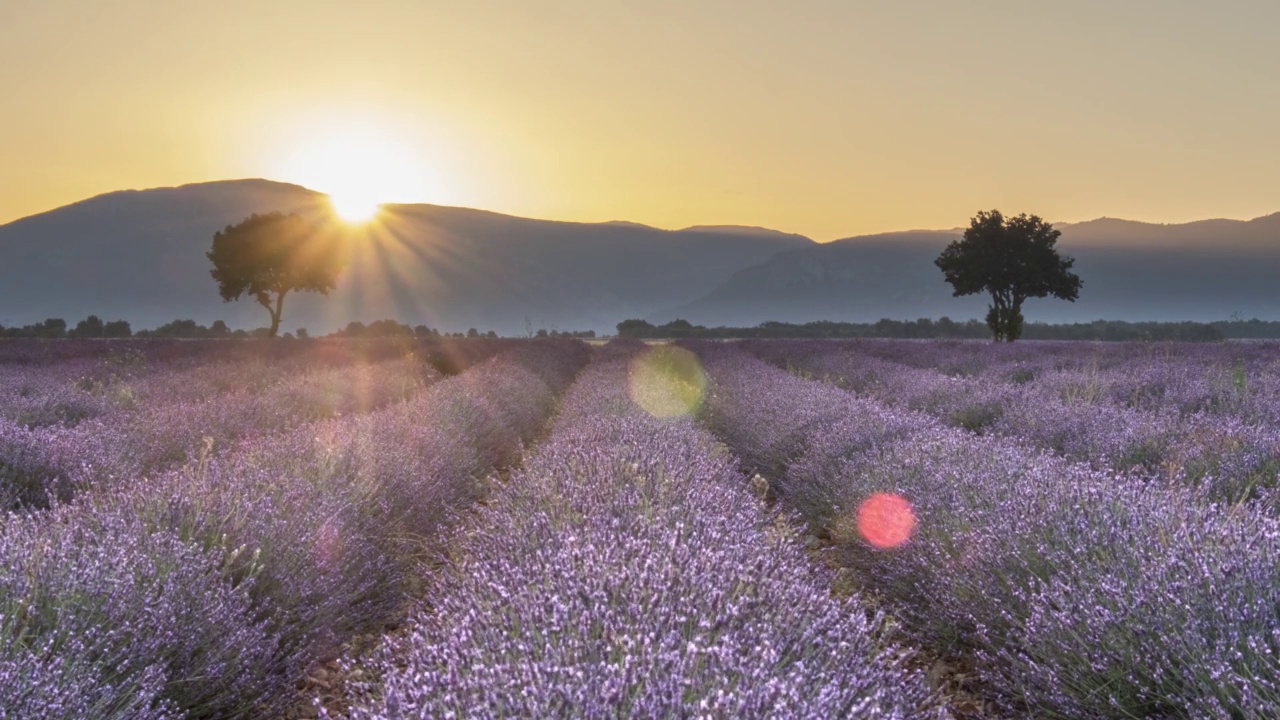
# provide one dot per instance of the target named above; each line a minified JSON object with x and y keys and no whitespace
{"x":355,"y":207}
{"x":360,"y":168}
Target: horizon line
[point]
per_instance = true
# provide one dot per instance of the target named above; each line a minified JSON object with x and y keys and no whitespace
{"x":614,"y":221}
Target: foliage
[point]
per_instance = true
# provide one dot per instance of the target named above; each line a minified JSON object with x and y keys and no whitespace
{"x":268,"y":256}
{"x":926,"y":328}
{"x":1012,"y":260}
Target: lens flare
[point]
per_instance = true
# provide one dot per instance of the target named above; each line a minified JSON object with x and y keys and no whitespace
{"x":667,"y":381}
{"x":885,"y":520}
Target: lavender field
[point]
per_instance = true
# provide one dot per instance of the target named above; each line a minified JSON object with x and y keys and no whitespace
{"x":542,"y":528}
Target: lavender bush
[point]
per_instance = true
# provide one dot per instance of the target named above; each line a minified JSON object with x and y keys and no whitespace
{"x":102,"y":613}
{"x":59,"y":461}
{"x":625,"y":571}
{"x":1076,"y":592}
{"x":272,"y":552}
{"x":1229,"y":456}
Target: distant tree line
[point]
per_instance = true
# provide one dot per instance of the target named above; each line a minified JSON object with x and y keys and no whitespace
{"x":575,"y":334}
{"x":90,"y":327}
{"x":94,"y":327}
{"x":1254,"y":329}
{"x":923,"y":328}
{"x":191,"y":329}
{"x":391,"y":328}
{"x":926,"y":328}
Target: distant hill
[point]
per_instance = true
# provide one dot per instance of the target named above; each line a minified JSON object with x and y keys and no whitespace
{"x":1204,"y":270}
{"x":737,"y":230}
{"x":139,"y":255}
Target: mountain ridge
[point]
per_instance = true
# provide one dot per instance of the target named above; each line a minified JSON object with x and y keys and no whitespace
{"x":266,"y":182}
{"x":139,"y":255}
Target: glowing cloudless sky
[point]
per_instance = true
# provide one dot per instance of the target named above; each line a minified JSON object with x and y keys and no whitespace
{"x":825,"y":117}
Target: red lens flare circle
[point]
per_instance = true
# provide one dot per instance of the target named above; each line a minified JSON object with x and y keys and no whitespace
{"x":885,"y":520}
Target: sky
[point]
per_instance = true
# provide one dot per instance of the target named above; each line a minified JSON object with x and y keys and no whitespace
{"x":829,"y":118}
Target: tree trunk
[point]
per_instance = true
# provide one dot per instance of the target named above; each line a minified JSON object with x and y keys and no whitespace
{"x":275,"y":314}
{"x":996,"y":316}
{"x":1013,"y":321}
{"x":1004,"y":317}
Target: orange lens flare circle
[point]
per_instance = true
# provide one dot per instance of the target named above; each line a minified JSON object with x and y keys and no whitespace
{"x":885,"y":520}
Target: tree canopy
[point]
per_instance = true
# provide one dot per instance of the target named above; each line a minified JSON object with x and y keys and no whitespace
{"x":1012,"y":259}
{"x":268,"y":256}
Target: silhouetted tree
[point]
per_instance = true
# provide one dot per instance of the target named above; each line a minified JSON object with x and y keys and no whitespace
{"x":1012,"y":259}
{"x":634,"y":328}
{"x":52,"y":328}
{"x":268,"y":256}
{"x":387,"y":328}
{"x":117,"y":329}
{"x":219,"y":329}
{"x":90,"y":327}
{"x":185,"y":328}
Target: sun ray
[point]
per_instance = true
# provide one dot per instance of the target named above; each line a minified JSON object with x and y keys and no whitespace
{"x":361,"y":167}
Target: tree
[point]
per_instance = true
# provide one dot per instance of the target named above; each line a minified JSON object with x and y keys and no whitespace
{"x":268,"y":256}
{"x":635,"y":328}
{"x":1012,"y":259}
{"x":117,"y":329}
{"x":52,"y":328}
{"x":90,"y":327}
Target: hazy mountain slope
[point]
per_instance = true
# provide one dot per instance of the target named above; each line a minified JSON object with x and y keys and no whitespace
{"x":460,"y":267}
{"x":1132,"y":271}
{"x":136,"y":255}
{"x":140,"y":256}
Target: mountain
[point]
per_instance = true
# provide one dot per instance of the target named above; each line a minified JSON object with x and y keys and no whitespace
{"x":139,"y":256}
{"x":1205,"y":270}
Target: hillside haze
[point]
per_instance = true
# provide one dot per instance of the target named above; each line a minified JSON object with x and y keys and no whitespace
{"x":1206,"y":270}
{"x":140,"y":256}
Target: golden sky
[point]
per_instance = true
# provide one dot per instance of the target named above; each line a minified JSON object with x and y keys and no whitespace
{"x":825,"y":117}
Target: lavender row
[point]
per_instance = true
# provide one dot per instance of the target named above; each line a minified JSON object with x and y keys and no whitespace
{"x":1074,"y":592}
{"x":983,"y":359}
{"x":1236,"y":379}
{"x":58,"y":461}
{"x":136,"y":374}
{"x":625,"y":571}
{"x":1228,"y":458}
{"x":206,"y":591}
